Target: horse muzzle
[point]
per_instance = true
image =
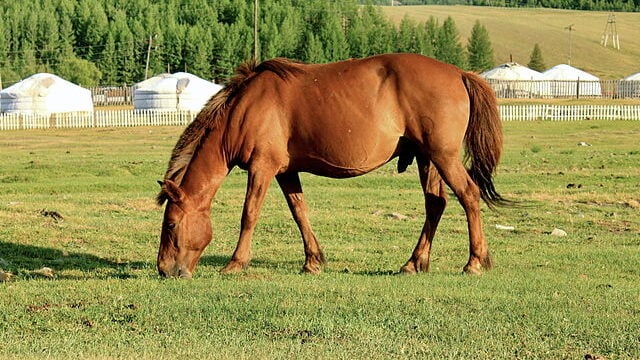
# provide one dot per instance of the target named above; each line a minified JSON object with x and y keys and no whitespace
{"x":179,"y":272}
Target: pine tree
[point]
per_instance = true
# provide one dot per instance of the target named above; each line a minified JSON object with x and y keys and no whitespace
{"x":290,"y":33}
{"x":270,"y":44}
{"x":423,"y":45}
{"x":431,"y":28}
{"x":91,"y":25}
{"x":448,"y":47}
{"x":125,"y":52}
{"x":479,"y":49}
{"x":313,"y":51}
{"x":154,"y":30}
{"x":412,"y":38}
{"x":67,"y":37}
{"x":27,"y":63}
{"x":173,"y":41}
{"x":4,"y":48}
{"x":109,"y":63}
{"x":381,"y":32}
{"x":233,"y":44}
{"x":535,"y":60}
{"x":358,"y":35}
{"x":48,"y":40}
{"x":197,"y":51}
{"x":333,"y":39}
{"x":406,"y":36}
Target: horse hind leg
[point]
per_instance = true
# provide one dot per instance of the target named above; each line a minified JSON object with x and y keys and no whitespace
{"x":435,"y":198}
{"x":468,"y":194}
{"x":292,"y":189}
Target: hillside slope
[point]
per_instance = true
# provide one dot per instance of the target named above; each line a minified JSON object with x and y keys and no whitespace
{"x":514,"y":31}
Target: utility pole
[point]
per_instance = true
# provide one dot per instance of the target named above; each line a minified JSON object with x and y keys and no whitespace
{"x":256,"y":39}
{"x":610,"y":29}
{"x":570,"y":28}
{"x":146,"y":68}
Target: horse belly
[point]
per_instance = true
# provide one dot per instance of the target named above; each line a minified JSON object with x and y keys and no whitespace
{"x":345,"y":153}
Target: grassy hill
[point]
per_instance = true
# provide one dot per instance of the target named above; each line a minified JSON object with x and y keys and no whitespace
{"x":514,"y":32}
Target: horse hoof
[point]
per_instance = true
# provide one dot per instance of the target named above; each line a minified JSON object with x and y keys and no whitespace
{"x":408,"y":269}
{"x":417,"y":266}
{"x":313,"y":270}
{"x":232,"y":268}
{"x":472,"y":270}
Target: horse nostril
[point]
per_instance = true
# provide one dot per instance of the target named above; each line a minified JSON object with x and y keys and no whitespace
{"x":162,"y":273}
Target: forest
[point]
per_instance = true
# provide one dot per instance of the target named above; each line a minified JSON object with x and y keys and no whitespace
{"x":116,"y":42}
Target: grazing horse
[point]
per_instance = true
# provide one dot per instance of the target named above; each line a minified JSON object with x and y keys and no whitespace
{"x":344,"y":119}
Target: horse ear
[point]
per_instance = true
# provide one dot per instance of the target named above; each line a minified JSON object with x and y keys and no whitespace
{"x":173,"y":191}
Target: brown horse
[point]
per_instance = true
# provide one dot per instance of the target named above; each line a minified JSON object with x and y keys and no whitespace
{"x":339,"y":120}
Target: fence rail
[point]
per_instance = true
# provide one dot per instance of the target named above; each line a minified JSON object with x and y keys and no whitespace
{"x":553,"y":89}
{"x":569,"y":112}
{"x":128,"y":118}
{"x":112,"y":95}
{"x":103,"y":118}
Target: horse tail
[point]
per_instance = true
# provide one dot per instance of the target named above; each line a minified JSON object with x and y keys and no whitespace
{"x":483,"y":138}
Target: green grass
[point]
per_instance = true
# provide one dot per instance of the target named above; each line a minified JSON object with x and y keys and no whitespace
{"x":514,"y":32}
{"x":548,"y":297}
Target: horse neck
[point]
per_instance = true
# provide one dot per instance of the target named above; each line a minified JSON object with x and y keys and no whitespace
{"x":206,"y":171}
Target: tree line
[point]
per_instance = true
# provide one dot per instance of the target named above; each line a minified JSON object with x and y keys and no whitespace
{"x":115,"y":42}
{"x":597,"y":5}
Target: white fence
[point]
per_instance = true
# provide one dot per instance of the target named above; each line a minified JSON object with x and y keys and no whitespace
{"x":569,"y":112}
{"x":107,"y":118}
{"x":557,"y":89}
{"x":126,"y":118}
{"x":112,"y":95}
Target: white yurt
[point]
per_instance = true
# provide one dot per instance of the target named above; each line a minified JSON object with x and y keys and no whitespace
{"x":629,"y":86}
{"x":512,"y":80}
{"x":511,"y":71}
{"x":567,"y":80}
{"x":172,"y":92}
{"x":45,"y":94}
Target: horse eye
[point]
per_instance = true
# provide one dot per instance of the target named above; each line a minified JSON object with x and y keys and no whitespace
{"x":171,"y":226}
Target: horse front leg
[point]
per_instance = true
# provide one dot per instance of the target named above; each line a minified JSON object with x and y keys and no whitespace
{"x":292,"y":190}
{"x":257,"y":186}
{"x":435,"y":198}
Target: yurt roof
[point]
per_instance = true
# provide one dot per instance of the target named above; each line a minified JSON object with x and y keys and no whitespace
{"x":567,"y":72}
{"x":164,"y":83}
{"x":178,"y":91}
{"x":635,"y":76}
{"x":45,"y":93}
{"x":511,"y":71}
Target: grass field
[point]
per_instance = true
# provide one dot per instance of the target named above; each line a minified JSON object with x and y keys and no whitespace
{"x":514,"y":32}
{"x":548,"y":297}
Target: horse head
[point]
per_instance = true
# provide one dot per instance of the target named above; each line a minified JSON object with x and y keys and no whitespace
{"x":186,"y":232}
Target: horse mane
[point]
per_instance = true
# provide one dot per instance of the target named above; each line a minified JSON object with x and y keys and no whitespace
{"x":212,"y":113}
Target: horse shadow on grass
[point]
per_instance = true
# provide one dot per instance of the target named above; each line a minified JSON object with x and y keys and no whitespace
{"x":219,"y":261}
{"x":215,"y":261}
{"x":27,"y":261}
